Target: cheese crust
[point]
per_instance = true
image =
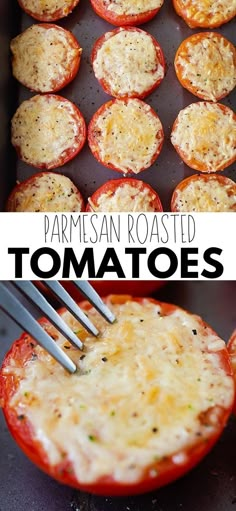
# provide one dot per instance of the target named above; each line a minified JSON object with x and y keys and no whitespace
{"x":205,"y":193}
{"x":46,"y":192}
{"x":204,"y":135}
{"x":127,"y":62}
{"x":144,"y":390}
{"x":205,"y":64}
{"x":44,"y":57}
{"x":48,"y":10}
{"x":124,"y":199}
{"x":206,"y":13}
{"x":126,"y":135}
{"x":47,"y":131}
{"x":132,"y":7}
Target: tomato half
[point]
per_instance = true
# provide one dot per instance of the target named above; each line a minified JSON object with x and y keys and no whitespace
{"x":126,"y":135}
{"x":46,"y":57}
{"x":128,"y":13}
{"x":203,"y":135}
{"x":124,"y":195}
{"x":53,"y":10}
{"x":205,"y":192}
{"x":205,"y":64}
{"x":45,"y":191}
{"x":210,"y":14}
{"x":128,"y":62}
{"x":232,"y":353}
{"x":27,"y":369}
{"x":48,"y":131}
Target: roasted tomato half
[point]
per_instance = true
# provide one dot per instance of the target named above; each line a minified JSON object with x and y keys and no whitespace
{"x":232,"y":354}
{"x":205,"y":192}
{"x":210,"y":14}
{"x":52,"y":10}
{"x":124,"y":195}
{"x":127,"y":12}
{"x":150,"y":397}
{"x":128,"y":62}
{"x":48,"y":131}
{"x":46,"y":57}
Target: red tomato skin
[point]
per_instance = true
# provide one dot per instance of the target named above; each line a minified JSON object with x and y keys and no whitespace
{"x":182,"y":185}
{"x":57,"y":15}
{"x":160,"y":56}
{"x":93,"y":144}
{"x":232,"y":353}
{"x":207,"y":23}
{"x":71,"y":152}
{"x":20,"y":428}
{"x":74,"y":68}
{"x":113,"y":184}
{"x":122,"y":20}
{"x":26,"y":183}
{"x":197,"y":165}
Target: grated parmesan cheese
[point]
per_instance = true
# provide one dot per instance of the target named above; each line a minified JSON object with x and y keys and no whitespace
{"x":129,"y":7}
{"x":212,"y":12}
{"x":207,"y":195}
{"x":48,"y":8}
{"x":125,"y":198}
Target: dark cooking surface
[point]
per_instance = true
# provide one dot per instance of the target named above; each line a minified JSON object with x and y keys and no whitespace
{"x":209,"y":487}
{"x":85,"y":91}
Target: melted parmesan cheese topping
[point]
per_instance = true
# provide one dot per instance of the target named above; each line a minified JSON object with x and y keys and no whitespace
{"x":45,"y":128}
{"x":43,"y":57}
{"x":209,"y":65}
{"x":205,"y":135}
{"x":47,"y":192}
{"x":210,"y":195}
{"x":213,"y":11}
{"x":129,"y":7}
{"x":128,"y":62}
{"x":125,"y":198}
{"x":128,"y":135}
{"x":49,"y":7}
{"x":143,"y":391}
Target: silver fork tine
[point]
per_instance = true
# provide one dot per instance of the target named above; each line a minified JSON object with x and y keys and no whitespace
{"x":69,"y":303}
{"x":41,"y":303}
{"x":93,"y":297}
{"x":11,"y":305}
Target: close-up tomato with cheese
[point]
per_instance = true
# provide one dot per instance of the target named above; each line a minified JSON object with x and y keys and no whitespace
{"x":205,"y":64}
{"x":51,"y":10}
{"x":128,"y":62}
{"x":46,"y":57}
{"x":48,"y":131}
{"x":127,"y":12}
{"x":205,"y":14}
{"x":232,"y":353}
{"x":150,"y":397}
{"x":45,"y":191}
{"x":124,"y":195}
{"x":204,"y":136}
{"x":205,"y":192}
{"x":126,"y":135}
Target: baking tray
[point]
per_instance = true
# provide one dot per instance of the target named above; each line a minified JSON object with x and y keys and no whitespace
{"x":85,"y":91}
{"x":211,"y":486}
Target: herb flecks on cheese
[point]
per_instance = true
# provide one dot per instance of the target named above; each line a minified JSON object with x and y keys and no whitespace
{"x":128,"y":62}
{"x":140,"y":393}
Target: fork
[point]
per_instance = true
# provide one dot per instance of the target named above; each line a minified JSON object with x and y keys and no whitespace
{"x":12,"y":306}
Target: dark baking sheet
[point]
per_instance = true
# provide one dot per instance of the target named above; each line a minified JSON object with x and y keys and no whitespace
{"x":85,"y":91}
{"x":211,"y":486}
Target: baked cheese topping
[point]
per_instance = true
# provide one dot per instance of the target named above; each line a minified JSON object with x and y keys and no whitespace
{"x":44,"y":128}
{"x":46,"y":192}
{"x":206,"y":135}
{"x":128,"y":135}
{"x":49,"y":7}
{"x":145,"y":389}
{"x":214,"y":11}
{"x":207,"y":195}
{"x":125,"y":198}
{"x":43,"y":57}
{"x":128,"y":62}
{"x":129,"y":7}
{"x":209,"y":65}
